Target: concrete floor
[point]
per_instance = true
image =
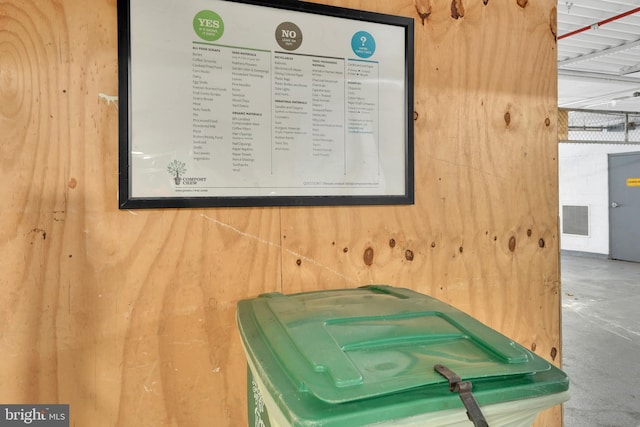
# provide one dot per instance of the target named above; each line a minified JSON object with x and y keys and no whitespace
{"x":601,"y":341}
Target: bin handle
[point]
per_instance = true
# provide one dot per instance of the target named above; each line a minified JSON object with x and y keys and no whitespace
{"x":463,"y":388}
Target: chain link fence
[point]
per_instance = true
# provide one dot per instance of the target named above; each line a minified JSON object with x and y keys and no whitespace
{"x":598,"y":126}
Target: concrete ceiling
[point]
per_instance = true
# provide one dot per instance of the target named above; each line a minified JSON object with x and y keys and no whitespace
{"x":599,"y":54}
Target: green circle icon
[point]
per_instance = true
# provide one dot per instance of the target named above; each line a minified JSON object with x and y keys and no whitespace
{"x":208,"y":25}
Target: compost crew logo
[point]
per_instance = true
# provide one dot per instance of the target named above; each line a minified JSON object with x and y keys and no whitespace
{"x":177,"y":170}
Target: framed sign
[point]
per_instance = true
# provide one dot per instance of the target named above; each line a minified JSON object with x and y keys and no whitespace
{"x":263,"y":103}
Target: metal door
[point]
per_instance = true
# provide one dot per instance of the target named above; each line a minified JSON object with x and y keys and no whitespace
{"x":624,"y":206}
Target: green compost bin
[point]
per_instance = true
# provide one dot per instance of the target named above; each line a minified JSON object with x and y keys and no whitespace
{"x":365,"y":356}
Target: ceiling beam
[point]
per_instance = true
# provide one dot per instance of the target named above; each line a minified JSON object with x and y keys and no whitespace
{"x":586,"y":75}
{"x":599,"y":53}
{"x":597,"y":25}
{"x":630,"y":70}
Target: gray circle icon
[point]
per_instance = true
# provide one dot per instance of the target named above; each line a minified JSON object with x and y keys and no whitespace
{"x":289,"y":36}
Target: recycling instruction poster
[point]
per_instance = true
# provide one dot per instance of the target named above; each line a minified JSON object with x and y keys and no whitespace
{"x":229,"y":99}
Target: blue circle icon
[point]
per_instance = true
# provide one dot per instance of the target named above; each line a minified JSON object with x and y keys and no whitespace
{"x":363,"y":44}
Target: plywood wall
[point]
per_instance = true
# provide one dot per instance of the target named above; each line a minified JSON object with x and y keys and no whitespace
{"x":129,"y":316}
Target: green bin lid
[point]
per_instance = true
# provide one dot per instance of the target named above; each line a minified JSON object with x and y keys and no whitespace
{"x":353,"y":344}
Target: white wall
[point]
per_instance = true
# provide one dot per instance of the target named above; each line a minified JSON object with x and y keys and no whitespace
{"x":584,"y":181}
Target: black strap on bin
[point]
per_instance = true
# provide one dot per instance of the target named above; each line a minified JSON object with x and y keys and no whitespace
{"x":464,"y":389}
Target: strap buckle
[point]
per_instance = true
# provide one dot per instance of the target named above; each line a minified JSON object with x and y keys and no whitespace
{"x":463,"y":388}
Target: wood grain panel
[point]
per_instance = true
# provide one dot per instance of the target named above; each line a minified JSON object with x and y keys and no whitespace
{"x":129,"y":316}
{"x":482,"y":234}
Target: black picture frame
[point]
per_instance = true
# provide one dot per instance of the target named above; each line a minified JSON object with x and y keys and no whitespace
{"x":402,"y":141}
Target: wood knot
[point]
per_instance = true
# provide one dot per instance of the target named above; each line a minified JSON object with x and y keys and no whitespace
{"x":553,"y":23}
{"x":547,"y":122}
{"x":423,"y":7}
{"x":457,"y":9}
{"x":512,"y":243}
{"x":392,"y":243}
{"x":554,"y":353}
{"x":368,"y":256}
{"x":507,"y":118}
{"x":41,"y":232}
{"x":522,"y":3}
{"x":408,"y":254}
